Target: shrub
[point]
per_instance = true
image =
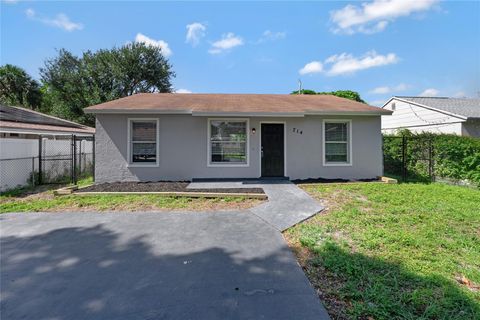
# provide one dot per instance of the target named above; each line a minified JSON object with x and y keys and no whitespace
{"x":455,"y":157}
{"x":348,"y":94}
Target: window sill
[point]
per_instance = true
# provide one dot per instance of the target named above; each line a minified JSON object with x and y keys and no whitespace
{"x":138,"y":165}
{"x":227,"y":165}
{"x":337,"y":164}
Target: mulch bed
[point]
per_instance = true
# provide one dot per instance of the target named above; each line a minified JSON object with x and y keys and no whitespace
{"x":164,"y":186}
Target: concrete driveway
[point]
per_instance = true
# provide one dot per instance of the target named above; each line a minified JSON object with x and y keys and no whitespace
{"x":217,"y":265}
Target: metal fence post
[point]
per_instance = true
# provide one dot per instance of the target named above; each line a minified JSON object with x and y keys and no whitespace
{"x":74,"y":159}
{"x":93,"y":157}
{"x":80,"y":157}
{"x":404,"y":158}
{"x":33,"y":171}
{"x":71,"y":158}
{"x":432,"y":161}
{"x":40,"y":173}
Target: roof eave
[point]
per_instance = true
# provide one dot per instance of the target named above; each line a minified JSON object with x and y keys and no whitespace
{"x":135,"y":111}
{"x":246,"y":114}
{"x":350,"y":113}
{"x":43,"y":131}
{"x":380,"y":112}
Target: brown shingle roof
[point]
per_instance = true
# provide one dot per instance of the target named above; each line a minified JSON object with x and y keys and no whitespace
{"x":246,"y":104}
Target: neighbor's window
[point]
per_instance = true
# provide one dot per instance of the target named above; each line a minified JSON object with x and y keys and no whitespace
{"x":337,"y":142}
{"x":228,"y":141}
{"x":143,"y":141}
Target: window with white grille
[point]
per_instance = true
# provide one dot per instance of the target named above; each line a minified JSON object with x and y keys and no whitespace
{"x":337,"y":142}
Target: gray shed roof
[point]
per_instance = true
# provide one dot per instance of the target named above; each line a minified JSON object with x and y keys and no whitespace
{"x":465,"y":107}
{"x":17,"y":118}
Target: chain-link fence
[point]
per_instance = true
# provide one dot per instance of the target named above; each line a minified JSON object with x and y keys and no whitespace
{"x":18,"y":172}
{"x":409,"y":158}
{"x":45,"y":160}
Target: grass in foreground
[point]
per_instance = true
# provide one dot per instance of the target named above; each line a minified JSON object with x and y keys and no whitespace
{"x":24,"y":191}
{"x":42,"y":199}
{"x":406,"y":251}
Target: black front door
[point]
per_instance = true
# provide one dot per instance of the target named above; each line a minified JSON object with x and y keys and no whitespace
{"x":272,"y":151}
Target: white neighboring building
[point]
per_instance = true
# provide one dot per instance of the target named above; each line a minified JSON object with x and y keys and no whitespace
{"x":20,"y":130}
{"x":460,"y":116}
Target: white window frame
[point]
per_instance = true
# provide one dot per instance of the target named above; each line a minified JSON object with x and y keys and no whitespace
{"x":130,"y":163}
{"x":209,"y":145}
{"x":349,"y":142}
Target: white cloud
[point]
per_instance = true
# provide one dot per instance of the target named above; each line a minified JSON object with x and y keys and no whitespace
{"x":341,"y":64}
{"x":430,"y":92}
{"x":30,"y":12}
{"x":380,"y":90}
{"x":374,"y":16}
{"x":183,"y":91}
{"x":460,"y":94}
{"x":311,"y":67}
{"x":401,"y":87}
{"x":166,"y":51}
{"x":387,"y":89}
{"x":195,"y":31}
{"x":268,"y":35}
{"x":61,"y":21}
{"x":348,"y":64}
{"x":227,"y":42}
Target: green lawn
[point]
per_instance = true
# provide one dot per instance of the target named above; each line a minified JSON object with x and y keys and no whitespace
{"x":121,"y":203}
{"x":42,"y":199}
{"x":406,"y":251}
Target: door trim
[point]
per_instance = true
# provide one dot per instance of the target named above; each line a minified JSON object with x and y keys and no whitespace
{"x":284,"y":146}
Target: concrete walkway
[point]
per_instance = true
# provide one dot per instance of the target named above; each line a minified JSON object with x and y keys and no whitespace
{"x":287,"y":204}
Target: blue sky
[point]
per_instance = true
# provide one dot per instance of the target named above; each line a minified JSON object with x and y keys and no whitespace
{"x":378,"y":48}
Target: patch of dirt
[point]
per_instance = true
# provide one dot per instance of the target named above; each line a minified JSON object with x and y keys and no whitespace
{"x":164,"y":186}
{"x":44,"y":192}
{"x":467,"y":282}
{"x":326,"y":284}
{"x":332,"y":201}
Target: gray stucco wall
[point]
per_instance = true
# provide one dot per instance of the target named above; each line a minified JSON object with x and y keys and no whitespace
{"x":183,"y":150}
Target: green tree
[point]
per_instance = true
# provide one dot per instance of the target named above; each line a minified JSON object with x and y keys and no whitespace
{"x":348,"y":94}
{"x":73,"y":83}
{"x":304,"y":91}
{"x":17,"y":88}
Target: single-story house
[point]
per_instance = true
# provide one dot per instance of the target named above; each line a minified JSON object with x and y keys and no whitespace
{"x":164,"y":136}
{"x":459,"y":116}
